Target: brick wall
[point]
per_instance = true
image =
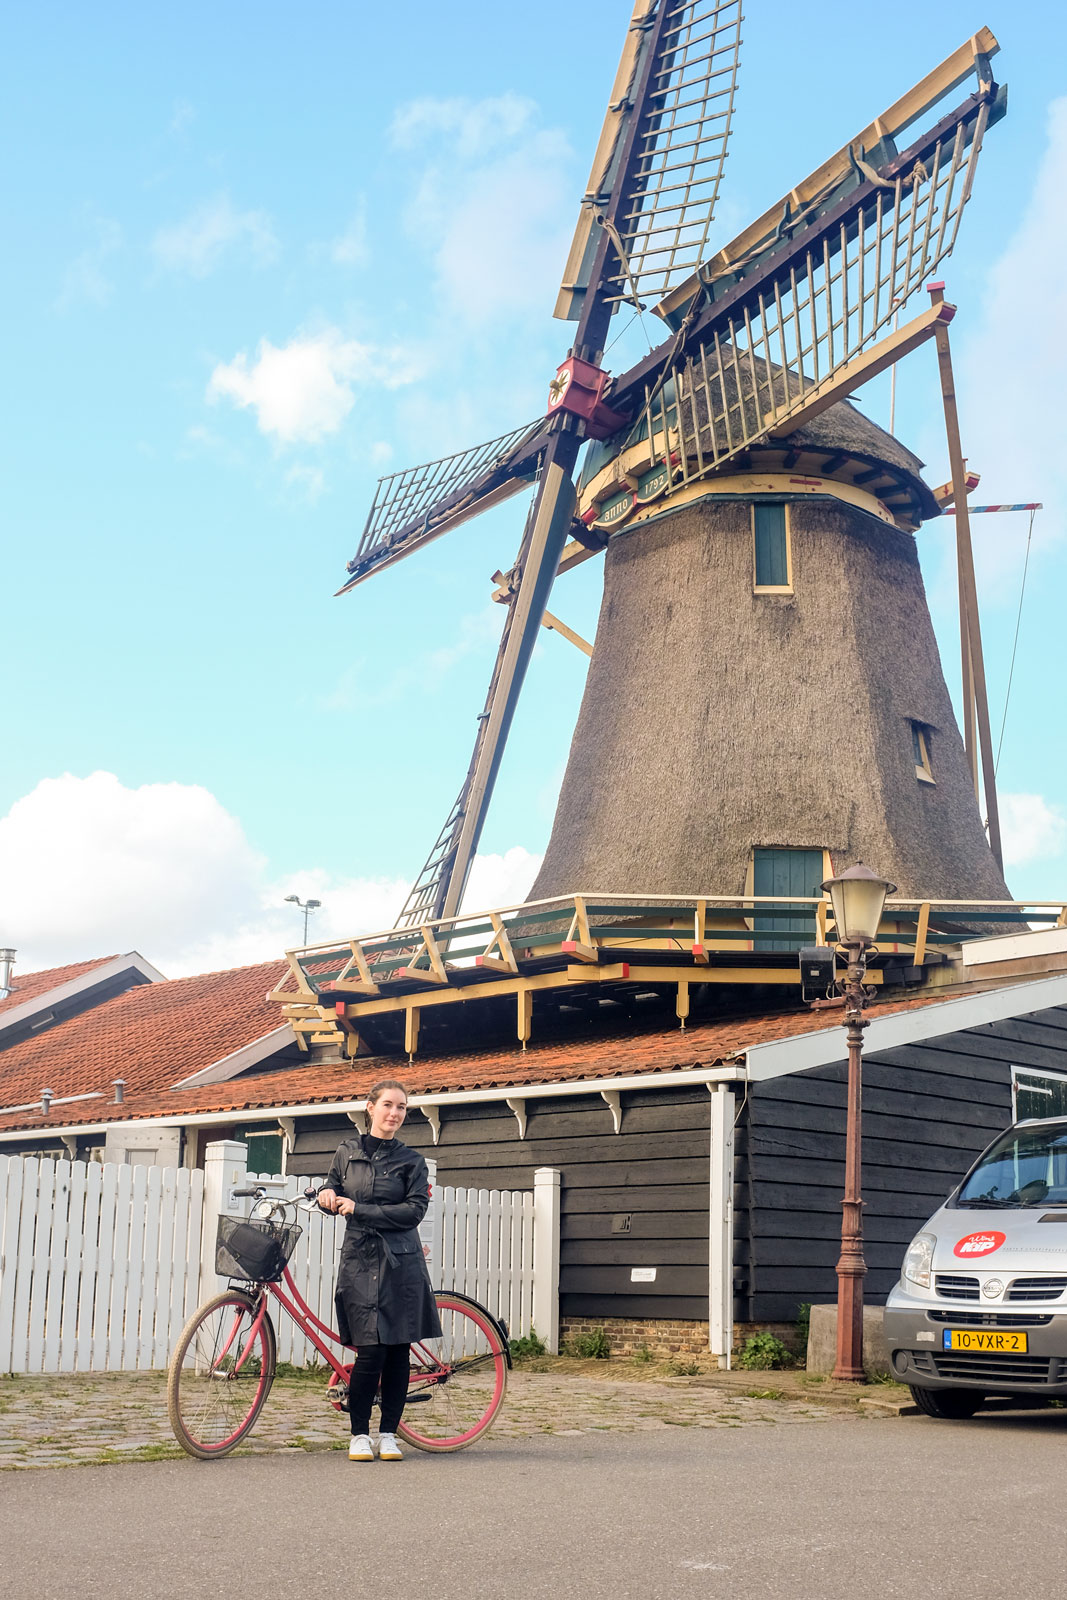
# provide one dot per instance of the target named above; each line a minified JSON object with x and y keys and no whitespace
{"x":664,"y":1338}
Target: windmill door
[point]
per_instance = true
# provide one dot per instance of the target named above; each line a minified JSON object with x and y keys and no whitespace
{"x":785,"y":872}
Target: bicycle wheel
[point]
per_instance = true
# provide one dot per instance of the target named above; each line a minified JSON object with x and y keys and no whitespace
{"x":458,"y":1381}
{"x":220,"y":1374}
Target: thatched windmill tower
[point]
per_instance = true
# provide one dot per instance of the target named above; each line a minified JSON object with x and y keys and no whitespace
{"x":765,"y":686}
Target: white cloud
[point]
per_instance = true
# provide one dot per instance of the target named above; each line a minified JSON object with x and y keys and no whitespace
{"x":1033,"y":830}
{"x":501,"y":880}
{"x":85,"y":282}
{"x":198,"y":243}
{"x":91,"y":867}
{"x":469,"y":126}
{"x":495,"y":198}
{"x":305,"y":389}
{"x":309,"y":480}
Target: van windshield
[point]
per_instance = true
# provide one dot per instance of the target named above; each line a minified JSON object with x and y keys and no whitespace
{"x":1027,"y":1167}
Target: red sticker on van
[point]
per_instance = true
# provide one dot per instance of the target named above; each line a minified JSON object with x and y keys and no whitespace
{"x":979,"y":1244}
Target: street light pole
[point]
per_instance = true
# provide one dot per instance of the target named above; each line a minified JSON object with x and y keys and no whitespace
{"x":851,"y":1266}
{"x":858,"y":899}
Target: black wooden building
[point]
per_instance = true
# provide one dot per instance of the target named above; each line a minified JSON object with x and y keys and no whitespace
{"x":628,"y":1123}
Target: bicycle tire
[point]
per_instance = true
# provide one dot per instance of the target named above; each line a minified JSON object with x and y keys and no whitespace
{"x":454,"y":1401}
{"x":211,"y":1406}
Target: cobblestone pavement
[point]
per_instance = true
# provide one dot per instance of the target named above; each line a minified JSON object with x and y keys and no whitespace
{"x":89,"y":1419}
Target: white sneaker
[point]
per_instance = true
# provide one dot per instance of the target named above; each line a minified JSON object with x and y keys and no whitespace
{"x":388,"y":1449}
{"x":361,"y":1448}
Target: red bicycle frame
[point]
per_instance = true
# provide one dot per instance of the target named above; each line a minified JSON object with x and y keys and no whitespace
{"x":430,"y":1369}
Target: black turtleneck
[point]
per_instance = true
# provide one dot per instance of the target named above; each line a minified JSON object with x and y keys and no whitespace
{"x":372,"y":1145}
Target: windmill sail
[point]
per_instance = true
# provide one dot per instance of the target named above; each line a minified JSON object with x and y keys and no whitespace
{"x":664,"y":214}
{"x":418,"y":504}
{"x":794,"y":321}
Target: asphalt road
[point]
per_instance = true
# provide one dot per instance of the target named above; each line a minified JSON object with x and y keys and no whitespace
{"x":902,"y":1507}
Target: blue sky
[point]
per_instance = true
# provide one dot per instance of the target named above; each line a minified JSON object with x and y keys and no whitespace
{"x":263,"y":256}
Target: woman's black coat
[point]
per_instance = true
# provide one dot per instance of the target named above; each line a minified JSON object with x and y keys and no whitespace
{"x":383,"y":1288}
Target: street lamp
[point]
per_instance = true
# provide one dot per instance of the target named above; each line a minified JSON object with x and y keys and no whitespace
{"x":858,"y":899}
{"x":306,"y":906}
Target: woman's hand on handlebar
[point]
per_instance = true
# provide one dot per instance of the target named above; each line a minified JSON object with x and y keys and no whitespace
{"x":339,"y":1204}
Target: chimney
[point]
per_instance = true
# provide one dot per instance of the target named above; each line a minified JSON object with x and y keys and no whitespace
{"x":46,"y":1102}
{"x":7,"y":961}
{"x":119,"y":1086}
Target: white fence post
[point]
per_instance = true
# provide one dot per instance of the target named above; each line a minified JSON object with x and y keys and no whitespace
{"x":430,"y":1229}
{"x":721,"y":1226}
{"x":546,"y":1256}
{"x":225,"y":1169}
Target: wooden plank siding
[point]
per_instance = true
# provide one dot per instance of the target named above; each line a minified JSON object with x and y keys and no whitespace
{"x":928,"y":1110}
{"x":655,"y":1170}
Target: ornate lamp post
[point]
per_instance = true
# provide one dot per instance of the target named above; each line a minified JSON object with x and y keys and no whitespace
{"x":858,"y":898}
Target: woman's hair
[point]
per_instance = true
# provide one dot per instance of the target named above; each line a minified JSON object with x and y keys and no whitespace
{"x":380,"y":1088}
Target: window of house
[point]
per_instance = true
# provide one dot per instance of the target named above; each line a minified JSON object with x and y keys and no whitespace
{"x":920,"y":747}
{"x":773,"y":568}
{"x":1038,"y":1094}
{"x":264,"y":1150}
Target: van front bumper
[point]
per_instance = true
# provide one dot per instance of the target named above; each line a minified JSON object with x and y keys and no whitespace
{"x":915,"y":1329}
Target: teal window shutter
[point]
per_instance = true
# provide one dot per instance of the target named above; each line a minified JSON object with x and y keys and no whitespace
{"x":772,"y":556}
{"x":788,"y":873}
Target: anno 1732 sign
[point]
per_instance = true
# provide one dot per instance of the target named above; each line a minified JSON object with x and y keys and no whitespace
{"x":616,"y":509}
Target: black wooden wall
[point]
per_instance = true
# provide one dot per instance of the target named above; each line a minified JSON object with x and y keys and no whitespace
{"x":928,"y":1110}
{"x":655,"y":1172}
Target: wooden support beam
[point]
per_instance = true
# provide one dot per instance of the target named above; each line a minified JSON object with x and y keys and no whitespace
{"x":505,"y":961}
{"x":580,"y":952}
{"x":700,"y":918}
{"x":681,"y":1005}
{"x":524,"y":1017}
{"x":554,"y":625}
{"x":607,"y":974}
{"x":412,"y":1018}
{"x":976,"y":701}
{"x":820,"y":921}
{"x":921,"y":929}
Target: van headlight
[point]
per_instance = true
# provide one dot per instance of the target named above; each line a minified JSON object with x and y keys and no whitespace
{"x":919,"y":1259}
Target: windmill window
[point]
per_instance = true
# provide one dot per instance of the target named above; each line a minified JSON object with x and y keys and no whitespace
{"x":773,"y":566}
{"x":920,"y":747}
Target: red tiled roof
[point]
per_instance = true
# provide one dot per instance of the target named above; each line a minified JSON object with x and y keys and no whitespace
{"x":28,"y":985}
{"x":606,"y":1056}
{"x":151,"y":1036}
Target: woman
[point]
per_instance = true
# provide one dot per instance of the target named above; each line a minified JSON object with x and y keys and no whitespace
{"x":384,"y":1299}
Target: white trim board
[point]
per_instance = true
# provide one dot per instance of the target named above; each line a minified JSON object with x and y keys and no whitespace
{"x":238,"y":1061}
{"x":11,"y":1016}
{"x":1014,"y":946}
{"x":782,"y":1056}
{"x":528,"y":1091}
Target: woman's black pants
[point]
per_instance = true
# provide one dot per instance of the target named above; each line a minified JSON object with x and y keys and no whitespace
{"x":389,"y":1364}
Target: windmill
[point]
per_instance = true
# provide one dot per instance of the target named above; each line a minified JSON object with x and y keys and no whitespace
{"x":740,"y":406}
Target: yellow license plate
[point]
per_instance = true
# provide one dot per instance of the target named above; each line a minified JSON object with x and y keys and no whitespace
{"x":996,"y":1339}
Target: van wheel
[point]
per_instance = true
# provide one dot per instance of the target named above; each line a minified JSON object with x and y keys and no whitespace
{"x":947,"y":1403}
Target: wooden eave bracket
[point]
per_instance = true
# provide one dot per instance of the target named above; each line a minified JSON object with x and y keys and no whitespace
{"x":288,"y":1127}
{"x":613,"y":1100}
{"x":517,"y":1106}
{"x":609,"y":974}
{"x":433,"y":1117}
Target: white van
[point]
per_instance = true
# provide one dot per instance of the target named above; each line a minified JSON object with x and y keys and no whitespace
{"x":981,"y":1306}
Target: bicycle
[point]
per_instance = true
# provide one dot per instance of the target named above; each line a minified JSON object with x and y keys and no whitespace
{"x":225,"y":1361}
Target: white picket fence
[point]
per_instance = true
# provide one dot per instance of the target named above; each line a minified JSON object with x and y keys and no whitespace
{"x":100,"y":1265}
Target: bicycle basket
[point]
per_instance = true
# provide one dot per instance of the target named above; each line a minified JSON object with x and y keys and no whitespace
{"x":257,"y":1251}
